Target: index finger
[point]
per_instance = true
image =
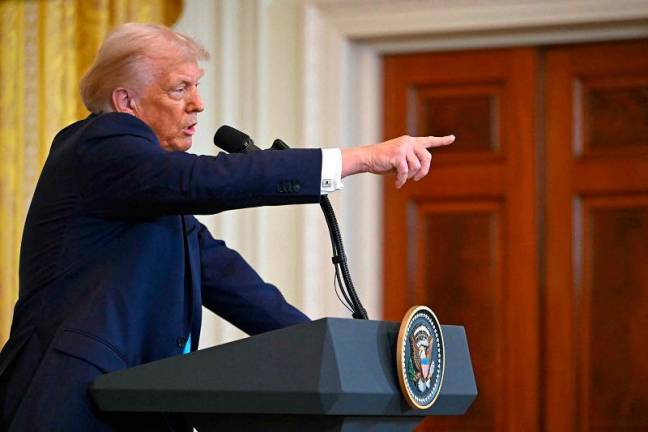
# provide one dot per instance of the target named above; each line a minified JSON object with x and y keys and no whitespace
{"x":432,"y":141}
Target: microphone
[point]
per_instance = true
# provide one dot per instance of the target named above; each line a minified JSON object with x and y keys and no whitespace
{"x":234,"y":141}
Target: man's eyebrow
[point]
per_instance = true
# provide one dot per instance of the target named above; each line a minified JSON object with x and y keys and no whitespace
{"x":182,"y":82}
{"x":188,"y":82}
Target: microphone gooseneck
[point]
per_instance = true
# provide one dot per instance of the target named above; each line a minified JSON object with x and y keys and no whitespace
{"x":339,"y":257}
{"x":234,"y":141}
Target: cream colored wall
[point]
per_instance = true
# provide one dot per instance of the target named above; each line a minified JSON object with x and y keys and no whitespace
{"x":309,"y":71}
{"x":252,"y":83}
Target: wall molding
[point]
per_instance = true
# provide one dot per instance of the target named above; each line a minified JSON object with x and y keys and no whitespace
{"x":362,"y":19}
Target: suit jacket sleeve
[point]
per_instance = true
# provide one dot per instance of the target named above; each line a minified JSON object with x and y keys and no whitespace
{"x":125,"y":173}
{"x":234,"y":291}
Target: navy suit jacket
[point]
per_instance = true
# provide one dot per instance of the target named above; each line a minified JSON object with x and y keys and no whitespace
{"x":114,"y":268}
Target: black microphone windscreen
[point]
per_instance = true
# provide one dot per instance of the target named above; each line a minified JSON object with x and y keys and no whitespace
{"x":232,"y":140}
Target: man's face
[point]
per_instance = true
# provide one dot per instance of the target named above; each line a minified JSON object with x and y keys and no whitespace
{"x":170,"y":105}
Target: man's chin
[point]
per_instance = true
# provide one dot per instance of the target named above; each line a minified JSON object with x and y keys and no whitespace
{"x":187,"y":143}
{"x":180,"y":145}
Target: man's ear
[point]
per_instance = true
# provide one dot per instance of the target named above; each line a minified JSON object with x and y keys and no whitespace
{"x":123,"y":101}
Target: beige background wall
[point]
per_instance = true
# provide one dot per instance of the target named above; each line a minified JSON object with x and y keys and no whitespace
{"x":252,"y":82}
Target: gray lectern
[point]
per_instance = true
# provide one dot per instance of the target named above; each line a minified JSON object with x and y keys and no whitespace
{"x":327,"y":375}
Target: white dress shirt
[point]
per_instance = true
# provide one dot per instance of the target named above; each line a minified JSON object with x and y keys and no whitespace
{"x":331,"y":171}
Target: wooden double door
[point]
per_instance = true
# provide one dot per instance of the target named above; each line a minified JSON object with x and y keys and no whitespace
{"x":531,"y":230}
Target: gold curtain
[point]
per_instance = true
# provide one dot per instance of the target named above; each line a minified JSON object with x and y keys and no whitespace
{"x":45,"y":47}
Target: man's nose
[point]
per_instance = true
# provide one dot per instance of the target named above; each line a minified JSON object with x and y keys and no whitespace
{"x":195,"y":103}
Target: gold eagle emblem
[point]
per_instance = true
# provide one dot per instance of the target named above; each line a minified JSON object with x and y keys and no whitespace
{"x":421,"y":343}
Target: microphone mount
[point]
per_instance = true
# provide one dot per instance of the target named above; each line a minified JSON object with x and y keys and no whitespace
{"x":234,"y":141}
{"x":339,"y":256}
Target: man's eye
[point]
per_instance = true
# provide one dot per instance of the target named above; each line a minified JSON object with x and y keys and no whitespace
{"x":177,"y":93}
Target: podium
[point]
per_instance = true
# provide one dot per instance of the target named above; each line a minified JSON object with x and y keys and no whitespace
{"x":327,"y":375}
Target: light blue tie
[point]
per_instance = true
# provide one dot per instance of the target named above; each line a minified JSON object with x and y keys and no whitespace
{"x":187,"y":348}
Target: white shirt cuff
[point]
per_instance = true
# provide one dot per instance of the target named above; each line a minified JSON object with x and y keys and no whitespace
{"x":331,"y":171}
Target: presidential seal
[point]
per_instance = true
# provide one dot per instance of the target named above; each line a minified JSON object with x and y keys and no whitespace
{"x":420,"y":357}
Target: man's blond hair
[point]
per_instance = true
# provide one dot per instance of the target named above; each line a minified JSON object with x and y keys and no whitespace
{"x":126,"y":59}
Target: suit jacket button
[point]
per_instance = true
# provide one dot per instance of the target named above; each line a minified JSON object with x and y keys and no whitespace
{"x":182,"y":341}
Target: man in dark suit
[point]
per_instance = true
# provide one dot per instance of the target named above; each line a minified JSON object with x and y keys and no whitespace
{"x":114,"y":268}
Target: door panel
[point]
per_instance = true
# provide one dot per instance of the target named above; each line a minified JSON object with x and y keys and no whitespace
{"x":470,"y":252}
{"x":443,"y":110}
{"x":608,"y":104}
{"x":597,"y":237}
{"x":458,"y":252}
{"x":614,"y":313}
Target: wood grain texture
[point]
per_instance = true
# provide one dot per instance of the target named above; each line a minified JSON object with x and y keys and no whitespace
{"x":609,"y":106}
{"x":459,"y":271}
{"x":596,"y":188}
{"x":463,"y":240}
{"x":444,"y":110}
{"x":613,"y":316}
{"x":562,"y":313}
